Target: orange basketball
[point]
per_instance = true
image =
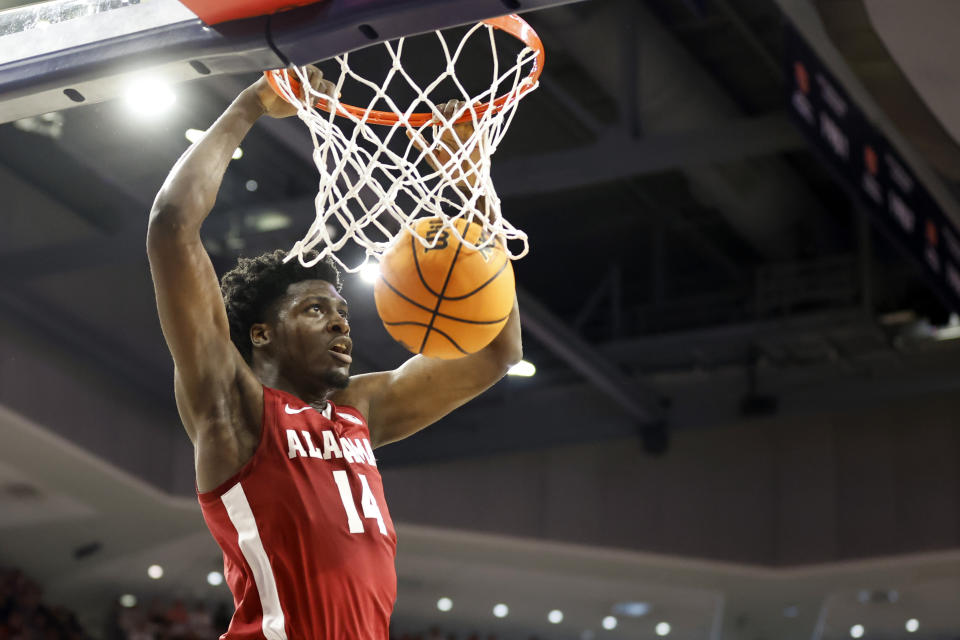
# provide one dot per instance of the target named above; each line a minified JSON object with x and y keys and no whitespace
{"x":447,"y":301}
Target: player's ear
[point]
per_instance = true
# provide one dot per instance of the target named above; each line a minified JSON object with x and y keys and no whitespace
{"x":260,"y":334}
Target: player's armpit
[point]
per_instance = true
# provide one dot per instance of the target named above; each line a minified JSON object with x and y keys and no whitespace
{"x":422,"y":390}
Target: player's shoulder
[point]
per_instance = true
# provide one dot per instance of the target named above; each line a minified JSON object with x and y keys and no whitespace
{"x":361,"y":392}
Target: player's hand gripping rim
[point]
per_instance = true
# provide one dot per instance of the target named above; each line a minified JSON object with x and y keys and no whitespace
{"x":273,"y":105}
{"x":443,"y":149}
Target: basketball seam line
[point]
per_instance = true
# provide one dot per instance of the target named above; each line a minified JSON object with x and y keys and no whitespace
{"x":442,"y":315}
{"x":416,"y":262}
{"x":442,"y":333}
{"x":446,"y":282}
{"x":489,"y":280}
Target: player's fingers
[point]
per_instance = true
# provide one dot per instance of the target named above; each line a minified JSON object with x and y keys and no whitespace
{"x":450,"y":108}
{"x":318,"y":83}
{"x":314,"y":75}
{"x":417,"y":139}
{"x":328,"y":88}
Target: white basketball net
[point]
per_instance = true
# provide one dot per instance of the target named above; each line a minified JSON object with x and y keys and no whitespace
{"x":361,"y":177}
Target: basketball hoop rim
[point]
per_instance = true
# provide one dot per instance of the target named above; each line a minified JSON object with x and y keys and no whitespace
{"x":511,"y":24}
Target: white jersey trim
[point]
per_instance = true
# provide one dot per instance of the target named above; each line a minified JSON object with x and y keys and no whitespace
{"x":248,"y":538}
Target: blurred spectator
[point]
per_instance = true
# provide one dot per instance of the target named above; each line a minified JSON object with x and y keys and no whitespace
{"x":435,"y":633}
{"x":23,"y":616}
{"x":171,"y":621}
{"x":200,"y":622}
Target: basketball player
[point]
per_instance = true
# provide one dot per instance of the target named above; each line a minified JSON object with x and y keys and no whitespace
{"x":282,"y":434}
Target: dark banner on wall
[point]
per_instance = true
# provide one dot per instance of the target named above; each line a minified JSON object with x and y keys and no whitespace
{"x":868,"y":163}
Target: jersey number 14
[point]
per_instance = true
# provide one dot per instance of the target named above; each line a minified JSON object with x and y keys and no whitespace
{"x":367,"y":502}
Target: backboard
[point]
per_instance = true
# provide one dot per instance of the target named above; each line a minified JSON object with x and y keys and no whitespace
{"x":62,"y":53}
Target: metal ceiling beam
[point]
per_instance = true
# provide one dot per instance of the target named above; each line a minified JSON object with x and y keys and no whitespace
{"x":124,"y":247}
{"x":630,"y":72}
{"x":641,"y":403}
{"x":583,"y":115}
{"x":675,"y":220}
{"x":96,"y":348}
{"x":610,"y":159}
{"x":615,"y":157}
{"x":532,"y":414}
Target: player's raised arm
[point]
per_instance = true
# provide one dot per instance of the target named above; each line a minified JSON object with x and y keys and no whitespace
{"x":189,"y":302}
{"x":401,"y":402}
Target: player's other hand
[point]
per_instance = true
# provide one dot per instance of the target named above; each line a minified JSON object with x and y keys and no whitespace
{"x":275,"y":106}
{"x":447,"y":141}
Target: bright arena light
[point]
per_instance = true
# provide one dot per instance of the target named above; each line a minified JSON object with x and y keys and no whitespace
{"x":856,"y":631}
{"x":912,"y":625}
{"x":128,"y":600}
{"x":149,"y":97}
{"x":522,"y":368}
{"x":555,"y":616}
{"x":370,"y":272}
{"x":632,"y":609}
{"x":252,"y":185}
{"x":609,"y":623}
{"x":662,"y":628}
{"x":501,"y":610}
{"x":215,"y":578}
{"x":444,"y":604}
{"x":155,"y":571}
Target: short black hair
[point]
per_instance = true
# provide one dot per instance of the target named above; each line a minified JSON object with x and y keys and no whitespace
{"x":250,"y":288}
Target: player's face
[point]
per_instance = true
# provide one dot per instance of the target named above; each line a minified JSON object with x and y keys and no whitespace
{"x":313,"y":333}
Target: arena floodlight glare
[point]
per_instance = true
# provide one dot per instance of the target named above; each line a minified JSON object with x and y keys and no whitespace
{"x":609,"y":623}
{"x":501,"y":610}
{"x":523,"y":369}
{"x":128,"y":600}
{"x":370,"y":272}
{"x":912,"y":625}
{"x":444,"y":604}
{"x":856,"y":631}
{"x":155,"y":571}
{"x":555,"y":616}
{"x":215,"y":578}
{"x":149,"y":97}
{"x":631,"y":609}
{"x":662,"y":629}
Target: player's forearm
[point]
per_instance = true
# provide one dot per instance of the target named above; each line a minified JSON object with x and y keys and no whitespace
{"x":507,"y":347}
{"x":190,"y":190}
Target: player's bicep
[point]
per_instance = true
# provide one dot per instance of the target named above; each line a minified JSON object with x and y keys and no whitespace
{"x":423,"y":390}
{"x":189,"y":303}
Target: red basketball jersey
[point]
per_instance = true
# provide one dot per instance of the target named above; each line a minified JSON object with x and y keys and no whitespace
{"x":308,"y":544}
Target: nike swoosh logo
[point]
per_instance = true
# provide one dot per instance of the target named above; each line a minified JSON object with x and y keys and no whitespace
{"x":291,"y":411}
